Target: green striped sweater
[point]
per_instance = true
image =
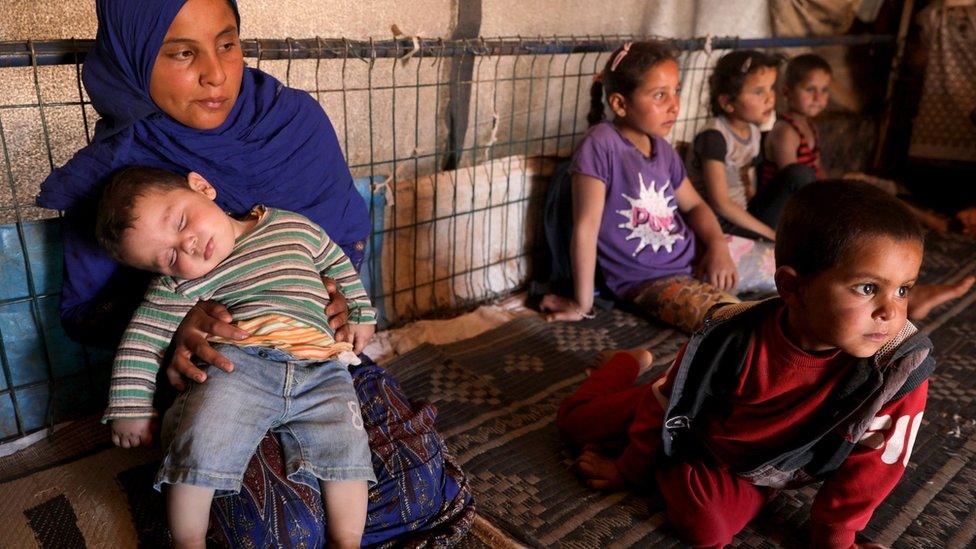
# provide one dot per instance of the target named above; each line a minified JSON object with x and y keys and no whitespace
{"x":275,"y":268}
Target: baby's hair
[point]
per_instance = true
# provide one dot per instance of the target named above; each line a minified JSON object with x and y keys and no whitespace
{"x":729,"y":75}
{"x":826,"y":220}
{"x":801,"y":66}
{"x":624,"y":72}
{"x":116,"y":208}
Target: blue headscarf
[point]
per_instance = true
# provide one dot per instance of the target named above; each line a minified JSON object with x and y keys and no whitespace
{"x":277,"y":147}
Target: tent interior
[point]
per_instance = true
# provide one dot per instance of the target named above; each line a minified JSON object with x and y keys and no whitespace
{"x":454,"y":117}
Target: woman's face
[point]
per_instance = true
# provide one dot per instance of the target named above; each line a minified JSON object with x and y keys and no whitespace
{"x":197,"y":75}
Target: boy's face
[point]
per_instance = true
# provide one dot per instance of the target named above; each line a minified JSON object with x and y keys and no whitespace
{"x":180,"y":232}
{"x":756,"y":101}
{"x":861,"y":303}
{"x":810,"y":96}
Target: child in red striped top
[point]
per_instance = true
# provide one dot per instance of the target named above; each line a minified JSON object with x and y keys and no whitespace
{"x":794,"y":139}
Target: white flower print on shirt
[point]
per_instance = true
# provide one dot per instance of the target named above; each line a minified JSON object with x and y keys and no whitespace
{"x":651,"y":218}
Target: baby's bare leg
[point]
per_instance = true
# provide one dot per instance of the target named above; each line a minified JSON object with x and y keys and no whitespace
{"x":345,"y":511}
{"x":188,"y":509}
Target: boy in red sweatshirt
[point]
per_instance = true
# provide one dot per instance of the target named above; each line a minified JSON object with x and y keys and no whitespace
{"x":826,"y":382}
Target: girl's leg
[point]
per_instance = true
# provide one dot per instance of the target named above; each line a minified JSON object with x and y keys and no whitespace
{"x":925,"y":297}
{"x":602,"y":408}
{"x":188,"y":510}
{"x":680,"y":301}
{"x":345,"y":511}
{"x":756,"y":264}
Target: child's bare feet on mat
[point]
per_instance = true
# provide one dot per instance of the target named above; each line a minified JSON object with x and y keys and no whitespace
{"x":925,"y":297}
{"x":642,"y":356}
{"x":598,"y":471}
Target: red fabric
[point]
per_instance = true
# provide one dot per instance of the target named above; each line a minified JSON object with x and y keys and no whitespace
{"x":850,"y":494}
{"x":777,"y":395}
{"x":603,"y":407}
{"x":708,"y":506}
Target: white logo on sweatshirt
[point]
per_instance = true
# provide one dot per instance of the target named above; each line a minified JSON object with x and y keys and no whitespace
{"x":900,"y":439}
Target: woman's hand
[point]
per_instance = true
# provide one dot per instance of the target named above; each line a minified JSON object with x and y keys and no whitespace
{"x":361,"y":335}
{"x":337,"y":311}
{"x":205,"y":319}
{"x":717,"y":268}
{"x":132,"y":433}
{"x":561,"y":309}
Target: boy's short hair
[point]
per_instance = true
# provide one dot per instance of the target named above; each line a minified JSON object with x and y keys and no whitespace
{"x":731,"y":71}
{"x":801,"y":66}
{"x":826,"y":220}
{"x":116,"y":208}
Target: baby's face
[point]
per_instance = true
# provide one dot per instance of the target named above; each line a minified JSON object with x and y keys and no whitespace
{"x":180,"y":233}
{"x":810,"y":96}
{"x":861,"y":303}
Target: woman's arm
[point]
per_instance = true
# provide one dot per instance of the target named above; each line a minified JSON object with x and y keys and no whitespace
{"x":589,"y":195}
{"x":716,"y":264}
{"x":713,"y":172}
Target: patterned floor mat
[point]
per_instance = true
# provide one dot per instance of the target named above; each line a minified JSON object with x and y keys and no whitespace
{"x":497,"y":395}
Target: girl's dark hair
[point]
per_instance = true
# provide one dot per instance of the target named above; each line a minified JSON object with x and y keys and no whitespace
{"x":731,"y":71}
{"x":801,"y":66}
{"x":626,"y":76}
{"x":826,"y":221}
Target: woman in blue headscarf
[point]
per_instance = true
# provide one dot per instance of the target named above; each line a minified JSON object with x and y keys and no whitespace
{"x":169,"y":81}
{"x":180,"y":98}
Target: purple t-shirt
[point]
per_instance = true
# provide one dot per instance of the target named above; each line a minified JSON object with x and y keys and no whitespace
{"x":642,"y":234}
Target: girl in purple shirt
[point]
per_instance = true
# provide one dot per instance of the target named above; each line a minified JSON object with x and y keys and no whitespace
{"x":657,"y":242}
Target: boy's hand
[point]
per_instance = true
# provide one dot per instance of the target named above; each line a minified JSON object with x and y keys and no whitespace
{"x":360,"y":335}
{"x":716,"y":267}
{"x":560,"y":309}
{"x":600,"y":472}
{"x":131,"y":433}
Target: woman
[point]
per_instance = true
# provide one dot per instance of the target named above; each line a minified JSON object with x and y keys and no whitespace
{"x":168,"y":79}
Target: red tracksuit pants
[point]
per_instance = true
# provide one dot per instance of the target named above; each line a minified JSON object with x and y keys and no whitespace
{"x":707,"y":506}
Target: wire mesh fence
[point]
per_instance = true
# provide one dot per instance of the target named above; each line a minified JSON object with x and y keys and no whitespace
{"x":451,"y":143}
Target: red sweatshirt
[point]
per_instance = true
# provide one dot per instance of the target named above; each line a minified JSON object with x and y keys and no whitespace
{"x":778,"y":393}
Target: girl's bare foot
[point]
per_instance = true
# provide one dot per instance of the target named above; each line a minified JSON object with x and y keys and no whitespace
{"x":925,"y":297}
{"x":642,"y":356}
